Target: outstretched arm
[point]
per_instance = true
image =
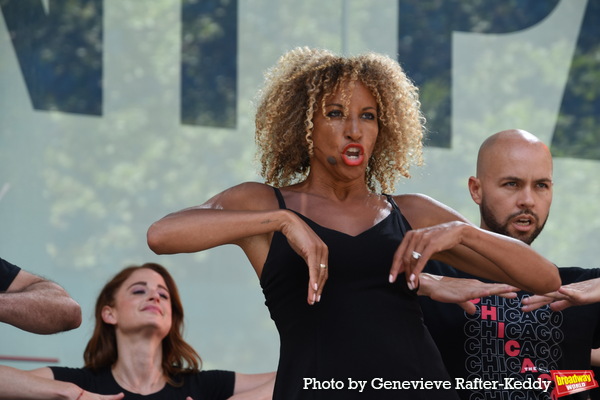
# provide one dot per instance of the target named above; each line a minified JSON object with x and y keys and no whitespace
{"x":574,"y":294}
{"x":246,"y":215}
{"x":39,"y":385}
{"x":442,"y":234}
{"x":460,"y":291}
{"x":37,"y":305}
{"x":595,"y":358}
{"x":254,"y":386}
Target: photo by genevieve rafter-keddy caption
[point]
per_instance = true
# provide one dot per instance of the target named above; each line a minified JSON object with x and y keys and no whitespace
{"x":563,"y":383}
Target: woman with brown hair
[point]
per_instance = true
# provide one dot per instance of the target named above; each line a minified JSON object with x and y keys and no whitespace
{"x":137,"y":351}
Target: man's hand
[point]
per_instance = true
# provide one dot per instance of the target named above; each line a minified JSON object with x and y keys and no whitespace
{"x":460,"y":291}
{"x":574,"y":294}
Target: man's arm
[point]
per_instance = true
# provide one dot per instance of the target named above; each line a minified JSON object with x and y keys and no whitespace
{"x":37,"y":305}
{"x":573,"y":294}
{"x":446,"y":289}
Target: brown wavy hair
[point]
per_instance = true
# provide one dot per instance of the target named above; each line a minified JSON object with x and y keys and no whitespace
{"x":178,"y":356}
{"x":302,"y":80}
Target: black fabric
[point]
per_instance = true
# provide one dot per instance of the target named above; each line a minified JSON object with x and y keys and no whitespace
{"x":595,"y":393}
{"x":8,"y":272}
{"x":205,"y":385}
{"x":502,"y":341}
{"x":364,"y":328}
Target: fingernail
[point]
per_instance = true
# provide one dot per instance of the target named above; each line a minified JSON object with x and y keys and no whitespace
{"x":391,"y":278}
{"x":412,"y":278}
{"x":316,"y":286}
{"x":319,"y":298}
{"x":410,"y":285}
{"x":314,"y":297}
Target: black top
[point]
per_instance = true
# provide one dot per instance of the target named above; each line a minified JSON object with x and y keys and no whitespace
{"x":502,"y":341}
{"x":8,"y":272}
{"x":204,"y":385}
{"x":363,"y":329}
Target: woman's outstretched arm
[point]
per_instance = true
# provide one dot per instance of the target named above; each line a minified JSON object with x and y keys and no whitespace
{"x":246,"y":215}
{"x":441,"y":233}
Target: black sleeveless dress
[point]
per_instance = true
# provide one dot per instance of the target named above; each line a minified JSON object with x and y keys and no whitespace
{"x":365,"y":339}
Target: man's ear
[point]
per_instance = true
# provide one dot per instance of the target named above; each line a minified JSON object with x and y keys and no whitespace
{"x":475,"y":189}
{"x":108,"y":315}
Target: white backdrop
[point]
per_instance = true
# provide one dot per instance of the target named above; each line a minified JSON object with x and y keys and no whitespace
{"x":75,"y":204}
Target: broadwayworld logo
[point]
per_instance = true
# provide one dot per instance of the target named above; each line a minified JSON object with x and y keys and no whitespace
{"x":569,"y":382}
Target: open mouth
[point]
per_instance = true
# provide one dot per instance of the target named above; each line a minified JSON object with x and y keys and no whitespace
{"x":524,"y":222}
{"x":353,"y":154}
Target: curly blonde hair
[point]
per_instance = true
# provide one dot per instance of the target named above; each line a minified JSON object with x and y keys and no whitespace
{"x":302,"y":80}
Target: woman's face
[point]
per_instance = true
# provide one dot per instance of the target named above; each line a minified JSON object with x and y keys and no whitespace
{"x":345,"y":139}
{"x":142,"y":303}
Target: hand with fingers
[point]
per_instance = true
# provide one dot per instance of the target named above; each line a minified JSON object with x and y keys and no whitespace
{"x":419,"y":245}
{"x":460,"y":291}
{"x":308,"y":245}
{"x":574,"y":294}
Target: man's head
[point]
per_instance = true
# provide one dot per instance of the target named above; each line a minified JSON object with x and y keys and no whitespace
{"x":513,"y":186}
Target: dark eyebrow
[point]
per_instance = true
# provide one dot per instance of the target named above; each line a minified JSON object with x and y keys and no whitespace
{"x":510,"y":178}
{"x":142,"y":283}
{"x":341,"y":106}
{"x":514,"y":178}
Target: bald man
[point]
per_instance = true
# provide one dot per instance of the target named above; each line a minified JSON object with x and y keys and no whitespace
{"x":513,"y":188}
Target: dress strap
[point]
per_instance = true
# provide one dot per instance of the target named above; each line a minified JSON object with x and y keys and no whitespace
{"x":390,"y":200}
{"x":404,"y":225}
{"x":279,"y":198}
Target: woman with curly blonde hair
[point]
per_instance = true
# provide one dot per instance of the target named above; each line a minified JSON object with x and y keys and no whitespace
{"x":304,"y":77}
{"x":334,"y":135}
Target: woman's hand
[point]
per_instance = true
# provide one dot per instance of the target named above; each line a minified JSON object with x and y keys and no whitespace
{"x":460,"y":291}
{"x":308,"y":245}
{"x":448,"y":237}
{"x":419,"y":245}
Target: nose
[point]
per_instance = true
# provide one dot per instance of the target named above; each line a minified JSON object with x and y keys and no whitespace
{"x":526,"y":199}
{"x":153,"y":295}
{"x":352,"y":128}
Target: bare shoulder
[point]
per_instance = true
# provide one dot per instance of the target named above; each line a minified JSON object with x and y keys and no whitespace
{"x":421,"y":210}
{"x":245,"y":196}
{"x":412,"y":201}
